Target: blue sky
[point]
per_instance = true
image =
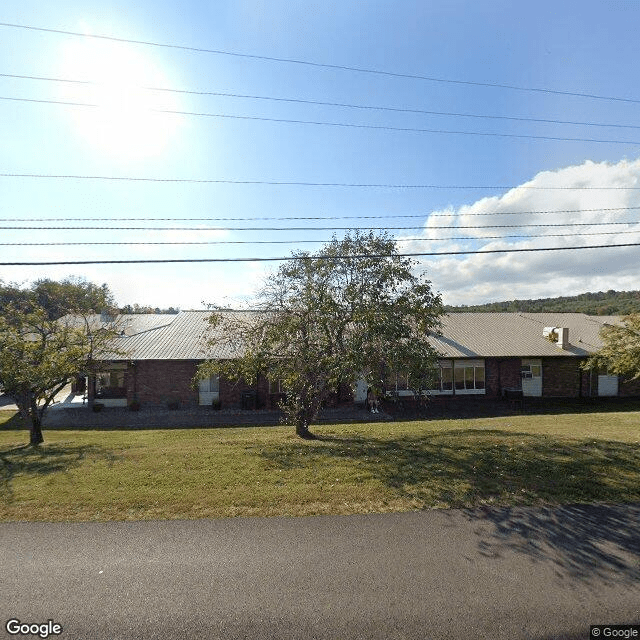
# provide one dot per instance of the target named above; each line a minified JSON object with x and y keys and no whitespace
{"x":575,"y":47}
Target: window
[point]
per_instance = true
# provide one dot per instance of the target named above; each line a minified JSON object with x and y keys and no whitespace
{"x":443,"y":382}
{"x":531,"y":370}
{"x":446,"y":377}
{"x":210,"y":385}
{"x":469,"y":376}
{"x":397,"y":382}
{"x":111,"y":384}
{"x":276,"y":386}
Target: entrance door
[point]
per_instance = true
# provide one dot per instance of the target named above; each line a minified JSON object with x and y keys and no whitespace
{"x":360,"y":395}
{"x":607,"y":385}
{"x":209,"y":391}
{"x":531,"y":377}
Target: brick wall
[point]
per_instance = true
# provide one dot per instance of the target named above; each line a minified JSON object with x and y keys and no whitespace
{"x":561,"y":377}
{"x":629,"y":388}
{"x":156,"y":382}
{"x":501,"y":373}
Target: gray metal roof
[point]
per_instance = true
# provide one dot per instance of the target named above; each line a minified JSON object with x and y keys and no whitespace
{"x":184,"y":336}
{"x":468,"y":335}
{"x":464,"y":335}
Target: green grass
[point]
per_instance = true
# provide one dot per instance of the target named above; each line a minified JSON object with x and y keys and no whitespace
{"x":361,"y":468}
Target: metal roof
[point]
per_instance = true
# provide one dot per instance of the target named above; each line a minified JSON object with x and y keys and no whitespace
{"x":464,"y":335}
{"x":184,"y":336}
{"x":468,"y":335}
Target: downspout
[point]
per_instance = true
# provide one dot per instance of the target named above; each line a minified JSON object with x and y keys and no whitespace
{"x":580,"y":374}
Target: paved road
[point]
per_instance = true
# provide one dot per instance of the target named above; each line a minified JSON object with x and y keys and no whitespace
{"x":500,"y":574}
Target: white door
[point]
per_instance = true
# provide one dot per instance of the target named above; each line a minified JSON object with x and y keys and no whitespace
{"x":531,"y":377}
{"x":607,"y":385}
{"x":360,"y":395}
{"x":209,"y":391}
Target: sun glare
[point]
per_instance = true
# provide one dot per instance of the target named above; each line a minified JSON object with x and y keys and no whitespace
{"x":123,"y":123}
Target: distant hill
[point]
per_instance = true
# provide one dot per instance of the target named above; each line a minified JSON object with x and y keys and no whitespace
{"x":602,"y":303}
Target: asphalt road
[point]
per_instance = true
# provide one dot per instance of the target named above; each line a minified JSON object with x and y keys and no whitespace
{"x":519,"y":573}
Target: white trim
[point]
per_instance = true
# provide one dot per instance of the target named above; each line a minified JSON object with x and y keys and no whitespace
{"x":461,"y":364}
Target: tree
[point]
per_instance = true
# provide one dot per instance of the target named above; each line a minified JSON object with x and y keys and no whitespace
{"x":330,"y":319}
{"x":620,"y":353}
{"x":40,"y":352}
{"x":71,"y":295}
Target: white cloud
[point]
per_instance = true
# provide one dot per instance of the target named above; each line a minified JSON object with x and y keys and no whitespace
{"x":477,"y":278}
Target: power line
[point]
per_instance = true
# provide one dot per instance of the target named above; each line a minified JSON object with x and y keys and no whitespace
{"x":487,"y":226}
{"x":346,"y":105}
{"x":321,"y":257}
{"x":289,"y":242}
{"x":343,"y":125}
{"x":290,"y":183}
{"x":352,"y":217}
{"x":310,"y":63}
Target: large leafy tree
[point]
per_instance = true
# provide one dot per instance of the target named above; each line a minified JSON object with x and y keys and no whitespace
{"x":330,"y":319}
{"x":58,"y":298}
{"x":40,"y":351}
{"x":620,"y":353}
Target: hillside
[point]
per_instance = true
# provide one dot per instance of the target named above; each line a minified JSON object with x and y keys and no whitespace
{"x":602,"y":303}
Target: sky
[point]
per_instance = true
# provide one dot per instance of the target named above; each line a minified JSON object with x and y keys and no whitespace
{"x":468,"y":123}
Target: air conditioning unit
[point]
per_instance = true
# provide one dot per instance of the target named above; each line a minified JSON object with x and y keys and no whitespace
{"x":527,"y":374}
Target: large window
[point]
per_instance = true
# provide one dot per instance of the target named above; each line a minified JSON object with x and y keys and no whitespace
{"x":469,"y":376}
{"x":441,"y":382}
{"x":111,"y":384}
{"x":397,"y":382}
{"x":445,"y":378}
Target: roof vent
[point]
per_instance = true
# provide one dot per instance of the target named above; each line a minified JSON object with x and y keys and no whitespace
{"x":558,"y":335}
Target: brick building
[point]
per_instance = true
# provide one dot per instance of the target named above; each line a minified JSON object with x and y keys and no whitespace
{"x":482,"y":355}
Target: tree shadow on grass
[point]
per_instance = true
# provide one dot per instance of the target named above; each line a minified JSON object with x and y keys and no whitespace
{"x":483,"y":471}
{"x":44,"y":460}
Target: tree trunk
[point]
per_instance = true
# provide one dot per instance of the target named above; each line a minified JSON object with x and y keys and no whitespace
{"x":302,"y":431}
{"x":35,"y":433}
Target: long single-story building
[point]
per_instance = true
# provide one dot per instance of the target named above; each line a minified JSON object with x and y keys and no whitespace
{"x":481,"y":354}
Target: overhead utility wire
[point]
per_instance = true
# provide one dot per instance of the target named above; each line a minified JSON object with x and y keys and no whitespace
{"x":310,"y":63}
{"x":487,"y":226}
{"x":291,"y":183}
{"x":379,"y":217}
{"x":289,"y":242}
{"x":345,"y":105}
{"x":321,"y":257}
{"x":346,"y":125}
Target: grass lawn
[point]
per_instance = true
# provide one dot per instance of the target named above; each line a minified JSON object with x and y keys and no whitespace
{"x":356,"y":468}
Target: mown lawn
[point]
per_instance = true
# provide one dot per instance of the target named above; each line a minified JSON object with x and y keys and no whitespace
{"x":361,"y":468}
